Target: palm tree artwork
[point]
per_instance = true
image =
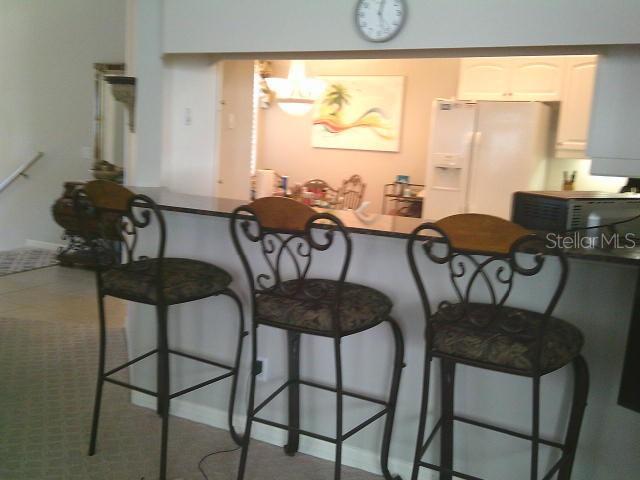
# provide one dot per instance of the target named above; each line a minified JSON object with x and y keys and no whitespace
{"x":332,"y":114}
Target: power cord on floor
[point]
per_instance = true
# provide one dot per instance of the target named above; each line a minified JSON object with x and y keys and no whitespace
{"x":247,"y":382}
{"x":210,"y":455}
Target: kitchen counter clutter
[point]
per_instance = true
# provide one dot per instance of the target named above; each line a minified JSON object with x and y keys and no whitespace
{"x":379,"y":225}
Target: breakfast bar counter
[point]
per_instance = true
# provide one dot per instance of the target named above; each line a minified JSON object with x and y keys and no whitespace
{"x":380,"y":225}
{"x":599,"y":299}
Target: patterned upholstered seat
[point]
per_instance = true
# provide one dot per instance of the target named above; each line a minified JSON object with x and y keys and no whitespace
{"x":184,"y":280}
{"x":310,"y":309}
{"x":504,"y":338}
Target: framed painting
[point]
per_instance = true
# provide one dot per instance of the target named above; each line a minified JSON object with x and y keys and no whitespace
{"x":359,"y":113}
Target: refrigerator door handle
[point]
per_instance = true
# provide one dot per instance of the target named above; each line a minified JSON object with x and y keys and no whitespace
{"x":475,"y":146}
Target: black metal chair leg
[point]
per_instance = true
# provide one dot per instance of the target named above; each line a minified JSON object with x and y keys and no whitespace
{"x":159,"y":408}
{"x":237,"y":438}
{"x":398,"y":365}
{"x":338,"y":360}
{"x":578,"y":405}
{"x":163,"y":388}
{"x":246,"y":438}
{"x":423,"y":416}
{"x":447,"y":372}
{"x":293,"y":441}
{"x":535,"y":430}
{"x":100,"y":381}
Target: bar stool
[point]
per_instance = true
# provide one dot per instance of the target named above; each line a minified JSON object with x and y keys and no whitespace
{"x":286,"y":232}
{"x":113,"y":215}
{"x":489,"y":253}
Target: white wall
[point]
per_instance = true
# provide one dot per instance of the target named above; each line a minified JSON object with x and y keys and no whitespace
{"x":144,"y":57}
{"x":614,"y":143}
{"x":311,"y":25}
{"x":584,"y":180}
{"x":190,"y":143}
{"x":46,"y":79}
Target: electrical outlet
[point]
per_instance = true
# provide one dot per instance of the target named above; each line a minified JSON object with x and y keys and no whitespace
{"x":263,"y":370}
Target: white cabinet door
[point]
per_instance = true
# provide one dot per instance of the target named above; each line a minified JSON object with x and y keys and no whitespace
{"x":575,"y":109}
{"x":484,"y":78}
{"x":536,"y":78}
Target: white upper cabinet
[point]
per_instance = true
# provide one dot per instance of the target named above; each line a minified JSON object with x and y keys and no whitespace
{"x":511,"y":78}
{"x":566,"y":79}
{"x":536,"y":78}
{"x":575,"y":109}
{"x":484,"y":78}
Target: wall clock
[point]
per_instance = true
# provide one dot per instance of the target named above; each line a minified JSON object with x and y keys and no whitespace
{"x":380,"y":20}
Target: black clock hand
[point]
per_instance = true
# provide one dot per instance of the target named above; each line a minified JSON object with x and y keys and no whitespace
{"x":381,"y":8}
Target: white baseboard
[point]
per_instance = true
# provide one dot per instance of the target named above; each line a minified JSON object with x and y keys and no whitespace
{"x":351,"y":456}
{"x":44,"y":245}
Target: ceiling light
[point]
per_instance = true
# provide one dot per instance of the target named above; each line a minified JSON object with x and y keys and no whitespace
{"x":297,"y":93}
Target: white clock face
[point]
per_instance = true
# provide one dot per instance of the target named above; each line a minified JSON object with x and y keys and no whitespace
{"x":380,"y":20}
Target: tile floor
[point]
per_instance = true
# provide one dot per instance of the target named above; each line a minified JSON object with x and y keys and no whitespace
{"x":48,"y":345}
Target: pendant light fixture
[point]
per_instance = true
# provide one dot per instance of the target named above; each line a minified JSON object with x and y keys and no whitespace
{"x":296,"y":94}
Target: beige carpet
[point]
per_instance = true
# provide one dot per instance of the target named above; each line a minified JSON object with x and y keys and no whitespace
{"x":48,"y":344}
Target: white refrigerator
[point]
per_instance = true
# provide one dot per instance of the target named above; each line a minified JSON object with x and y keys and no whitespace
{"x":482,"y":152}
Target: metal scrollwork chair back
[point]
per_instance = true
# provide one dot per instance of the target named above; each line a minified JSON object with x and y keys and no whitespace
{"x":289,"y":235}
{"x":301,"y":288}
{"x":486,"y":254}
{"x":111,"y":217}
{"x":110,"y":214}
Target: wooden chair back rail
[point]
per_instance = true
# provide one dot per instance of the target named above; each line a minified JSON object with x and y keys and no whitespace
{"x":280,"y":213}
{"x":475,"y":232}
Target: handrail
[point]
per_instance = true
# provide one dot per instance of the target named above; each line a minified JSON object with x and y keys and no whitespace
{"x":20,"y":172}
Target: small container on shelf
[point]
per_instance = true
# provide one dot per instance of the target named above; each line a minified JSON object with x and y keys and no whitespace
{"x":568,"y":181}
{"x":400,"y":185}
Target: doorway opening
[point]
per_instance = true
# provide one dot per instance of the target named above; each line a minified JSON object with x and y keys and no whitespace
{"x":424,"y":137}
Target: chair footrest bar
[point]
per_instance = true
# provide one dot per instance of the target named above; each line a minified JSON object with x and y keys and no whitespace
{"x":344,"y":392}
{"x":431,"y":466}
{"x":456,"y":474}
{"x":271,"y":397}
{"x":200,"y":359}
{"x":550,"y":474}
{"x":131,"y":362}
{"x":431,"y":437}
{"x":296,"y":430}
{"x":202,"y":384}
{"x":507,"y":431}
{"x":364,"y":424}
{"x":131,"y":387}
